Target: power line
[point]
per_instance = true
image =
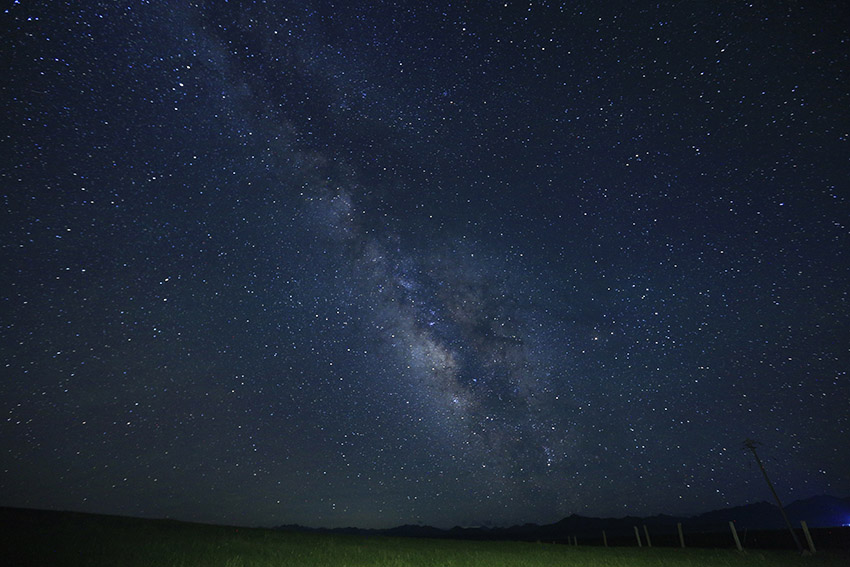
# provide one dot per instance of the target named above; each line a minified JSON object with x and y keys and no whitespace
{"x":751,"y":445}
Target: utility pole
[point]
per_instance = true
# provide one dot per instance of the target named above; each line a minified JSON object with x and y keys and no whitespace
{"x":751,"y":445}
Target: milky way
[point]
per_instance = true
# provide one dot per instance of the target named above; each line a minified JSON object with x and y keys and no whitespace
{"x":295,"y":262}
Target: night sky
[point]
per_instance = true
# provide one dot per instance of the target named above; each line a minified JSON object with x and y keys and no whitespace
{"x":371,"y":264}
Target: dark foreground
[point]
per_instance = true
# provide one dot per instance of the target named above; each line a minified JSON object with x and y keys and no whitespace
{"x":31,"y":537}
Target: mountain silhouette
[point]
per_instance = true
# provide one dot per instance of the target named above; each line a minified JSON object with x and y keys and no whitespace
{"x":817,"y":512}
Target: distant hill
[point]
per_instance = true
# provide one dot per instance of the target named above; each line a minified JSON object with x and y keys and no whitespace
{"x":818,"y":511}
{"x":821,"y":511}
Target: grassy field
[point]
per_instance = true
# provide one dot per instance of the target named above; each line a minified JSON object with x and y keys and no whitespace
{"x":60,"y":539}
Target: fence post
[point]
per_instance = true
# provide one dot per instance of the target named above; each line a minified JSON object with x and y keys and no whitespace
{"x":646,"y":531}
{"x":681,"y":535}
{"x":604,"y":538}
{"x":735,"y":535}
{"x":808,"y":536}
{"x":637,"y":535}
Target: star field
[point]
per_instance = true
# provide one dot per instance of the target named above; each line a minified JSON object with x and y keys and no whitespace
{"x":380,"y":263}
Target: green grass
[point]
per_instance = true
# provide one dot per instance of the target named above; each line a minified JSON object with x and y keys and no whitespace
{"x":55,"y":539}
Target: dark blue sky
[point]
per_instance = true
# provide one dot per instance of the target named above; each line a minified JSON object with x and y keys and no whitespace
{"x":370,"y":264}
